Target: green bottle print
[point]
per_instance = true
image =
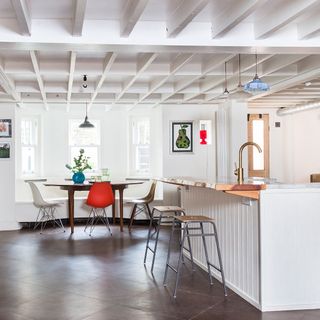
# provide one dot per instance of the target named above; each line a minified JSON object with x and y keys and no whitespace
{"x":183,"y":142}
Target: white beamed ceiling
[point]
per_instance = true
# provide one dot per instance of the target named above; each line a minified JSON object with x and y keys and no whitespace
{"x":142,"y":53}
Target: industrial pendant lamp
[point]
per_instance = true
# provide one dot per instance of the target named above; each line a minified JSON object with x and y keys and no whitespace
{"x":86,"y":124}
{"x":239,"y":93}
{"x":256,"y":85}
{"x":225,"y":92}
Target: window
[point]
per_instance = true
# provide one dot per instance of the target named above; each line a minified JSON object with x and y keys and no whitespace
{"x":258,"y":132}
{"x":140,"y":146}
{"x":87,"y":139}
{"x":29,"y":147}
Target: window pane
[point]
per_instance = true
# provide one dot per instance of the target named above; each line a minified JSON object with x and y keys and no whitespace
{"x":90,"y":152}
{"x":142,"y":159}
{"x":258,"y":137}
{"x":83,"y":137}
{"x":29,"y":132}
{"x":28,"y":160}
{"x":141,"y":131}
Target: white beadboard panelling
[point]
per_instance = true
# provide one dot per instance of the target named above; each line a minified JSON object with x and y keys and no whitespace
{"x":237,"y":226}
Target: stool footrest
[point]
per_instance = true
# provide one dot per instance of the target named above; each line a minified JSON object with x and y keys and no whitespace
{"x":201,"y":235}
{"x":172,"y":268}
{"x":214,"y":266}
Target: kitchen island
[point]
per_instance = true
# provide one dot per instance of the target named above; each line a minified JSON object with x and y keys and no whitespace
{"x":269,"y":238}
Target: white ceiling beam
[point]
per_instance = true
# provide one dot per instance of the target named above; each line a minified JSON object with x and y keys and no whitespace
{"x":78,"y":18}
{"x":281,"y":16}
{"x":73,"y":57}
{"x":21,"y":10}
{"x":144,"y":62}
{"x":110,"y":57}
{"x":233,"y":15}
{"x":209,"y":66}
{"x":35,"y":63}
{"x":180,"y":61}
{"x":309,"y":27}
{"x":183,"y":15}
{"x":8,"y":85}
{"x":131,"y":15}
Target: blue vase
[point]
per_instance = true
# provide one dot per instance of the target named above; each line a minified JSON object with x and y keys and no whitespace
{"x":78,"y":177}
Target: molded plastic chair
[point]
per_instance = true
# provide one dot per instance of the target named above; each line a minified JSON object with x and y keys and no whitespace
{"x":100,"y":196}
{"x":142,"y":204}
{"x":47,"y":208}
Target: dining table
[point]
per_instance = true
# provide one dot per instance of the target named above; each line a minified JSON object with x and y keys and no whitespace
{"x":73,"y":187}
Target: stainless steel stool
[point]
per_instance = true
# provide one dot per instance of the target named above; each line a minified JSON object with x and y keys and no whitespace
{"x":186,"y":222}
{"x":165,"y":212}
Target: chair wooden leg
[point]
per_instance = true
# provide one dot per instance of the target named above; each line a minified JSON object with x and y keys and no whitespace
{"x":132,"y":216}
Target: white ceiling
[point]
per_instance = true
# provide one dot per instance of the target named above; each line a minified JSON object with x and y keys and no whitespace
{"x":151,"y":52}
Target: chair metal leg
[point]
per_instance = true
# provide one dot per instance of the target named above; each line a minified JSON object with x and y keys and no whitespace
{"x":148,"y":239}
{"x":206,"y":252}
{"x":106,"y":220}
{"x":168,"y":254}
{"x":220,"y":259}
{"x":38,"y":220}
{"x":156,"y":243}
{"x":179,"y":262}
{"x":89,"y":219}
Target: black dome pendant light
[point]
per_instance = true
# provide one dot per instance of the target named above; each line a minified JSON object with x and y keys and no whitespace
{"x":86,"y":123}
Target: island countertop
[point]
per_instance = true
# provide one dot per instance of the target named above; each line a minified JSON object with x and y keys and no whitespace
{"x":250,"y":188}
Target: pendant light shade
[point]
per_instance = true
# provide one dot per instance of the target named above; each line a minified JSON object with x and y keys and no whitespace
{"x":256,"y":85}
{"x":239,"y":93}
{"x":86,"y":124}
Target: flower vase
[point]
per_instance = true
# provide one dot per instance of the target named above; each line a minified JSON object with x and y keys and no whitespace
{"x":78,"y":177}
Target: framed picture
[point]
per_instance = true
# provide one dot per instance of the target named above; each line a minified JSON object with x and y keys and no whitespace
{"x":182,"y":136}
{"x":5,"y":128}
{"x":4,"y":150}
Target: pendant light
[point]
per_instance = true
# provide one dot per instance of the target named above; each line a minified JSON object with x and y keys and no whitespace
{"x":86,"y":124}
{"x":225,"y":92}
{"x":239,"y":93}
{"x":256,"y":85}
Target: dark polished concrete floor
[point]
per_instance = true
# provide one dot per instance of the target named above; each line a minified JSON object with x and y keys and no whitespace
{"x":58,"y":276}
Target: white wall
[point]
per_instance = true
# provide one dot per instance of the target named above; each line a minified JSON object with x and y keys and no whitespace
{"x":7,"y":173}
{"x":201,"y":163}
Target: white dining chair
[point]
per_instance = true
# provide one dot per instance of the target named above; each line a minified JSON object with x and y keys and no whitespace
{"x":47,"y":209}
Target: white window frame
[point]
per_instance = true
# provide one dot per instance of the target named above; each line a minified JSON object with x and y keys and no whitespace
{"x":132,"y":147}
{"x":98,"y":145}
{"x":37,"y":147}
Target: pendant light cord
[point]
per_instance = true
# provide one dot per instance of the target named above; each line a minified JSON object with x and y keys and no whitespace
{"x":239,"y":66}
{"x":225,"y":75}
{"x":256,"y":63}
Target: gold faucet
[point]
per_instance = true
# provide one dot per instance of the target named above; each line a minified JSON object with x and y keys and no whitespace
{"x":239,"y":171}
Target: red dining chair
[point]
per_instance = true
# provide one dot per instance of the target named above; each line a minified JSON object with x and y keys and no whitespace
{"x":100,"y":196}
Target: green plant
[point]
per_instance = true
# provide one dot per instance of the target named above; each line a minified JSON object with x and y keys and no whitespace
{"x":81,"y":163}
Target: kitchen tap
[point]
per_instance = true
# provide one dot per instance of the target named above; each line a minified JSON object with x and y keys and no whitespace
{"x":239,"y":171}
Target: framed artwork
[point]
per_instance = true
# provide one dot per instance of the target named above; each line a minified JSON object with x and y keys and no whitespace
{"x":5,"y":128}
{"x":4,"y":150}
{"x":182,"y":136}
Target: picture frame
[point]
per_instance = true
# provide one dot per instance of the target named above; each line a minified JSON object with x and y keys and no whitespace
{"x":5,"y":128}
{"x":5,"y":150}
{"x":181,"y":136}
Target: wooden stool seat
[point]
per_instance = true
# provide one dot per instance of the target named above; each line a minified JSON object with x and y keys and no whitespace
{"x":168,"y":209}
{"x":185,"y":219}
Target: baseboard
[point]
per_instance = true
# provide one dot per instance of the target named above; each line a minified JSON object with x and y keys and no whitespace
{"x":9,"y":225}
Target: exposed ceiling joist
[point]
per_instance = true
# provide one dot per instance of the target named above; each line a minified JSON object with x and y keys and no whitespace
{"x":73,"y":57}
{"x":110,"y":57}
{"x":233,"y":15}
{"x":8,"y":85}
{"x":309,"y":27}
{"x":35,"y":63}
{"x":79,"y":15}
{"x":183,"y":15}
{"x":23,"y":16}
{"x":131,"y":15}
{"x":281,"y":17}
{"x":144,"y":62}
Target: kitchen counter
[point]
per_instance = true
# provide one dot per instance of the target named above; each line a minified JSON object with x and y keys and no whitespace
{"x":270,"y":242}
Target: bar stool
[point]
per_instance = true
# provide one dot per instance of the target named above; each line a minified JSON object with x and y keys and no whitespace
{"x":165,"y":212}
{"x":187,"y":224}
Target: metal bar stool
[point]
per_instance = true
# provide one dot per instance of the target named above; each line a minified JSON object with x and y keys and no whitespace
{"x":187,"y":224}
{"x":165,"y":212}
